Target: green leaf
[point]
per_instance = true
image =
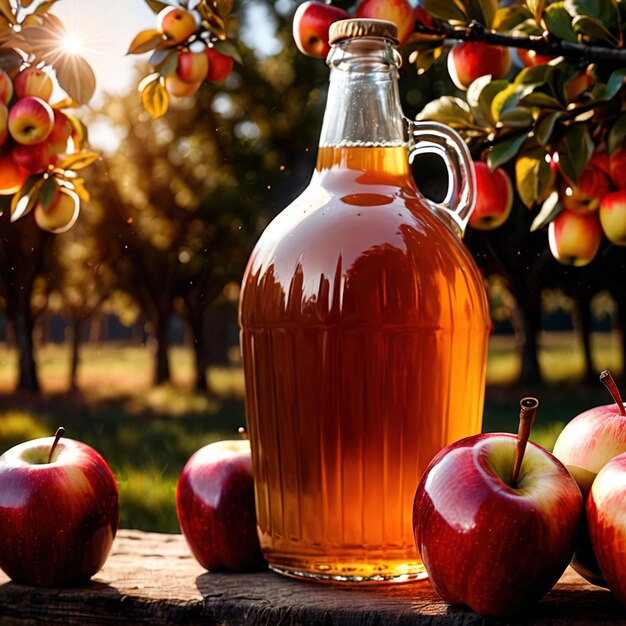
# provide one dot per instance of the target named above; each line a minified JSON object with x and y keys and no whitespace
{"x":575,"y":151}
{"x":592,"y":28}
{"x":545,"y":126}
{"x":549,"y":210}
{"x":603,"y":92}
{"x":617,"y":134}
{"x":47,"y":192}
{"x":532,"y":175}
{"x":483,"y":11}
{"x":517,"y":118}
{"x":448,"y":110}
{"x":505,"y":150}
{"x":508,"y":18}
{"x":480,"y":95}
{"x":606,"y":12}
{"x":158,"y":56}
{"x":229,"y":48}
{"x":540,"y":99}
{"x":170,"y":64}
{"x":445,"y":10}
{"x":155,"y":98}
{"x":559,"y":22}
{"x":505,"y":100}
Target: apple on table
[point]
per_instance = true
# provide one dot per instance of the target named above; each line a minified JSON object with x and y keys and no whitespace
{"x":59,"y":511}
{"x":496,"y":520}
{"x":215,"y":506}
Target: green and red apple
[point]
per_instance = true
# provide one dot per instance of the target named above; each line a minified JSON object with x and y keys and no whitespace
{"x":494,"y":197}
{"x":192,"y":66}
{"x":398,"y":11}
{"x":6,"y":88}
{"x":176,"y":24}
{"x":468,"y":60}
{"x":311,"y":23}
{"x":31,"y":120}
{"x":33,"y":82}
{"x":574,"y":238}
{"x":62,"y":213}
{"x":613,"y":217}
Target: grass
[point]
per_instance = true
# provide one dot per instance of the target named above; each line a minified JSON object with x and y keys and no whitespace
{"x":147,"y":434}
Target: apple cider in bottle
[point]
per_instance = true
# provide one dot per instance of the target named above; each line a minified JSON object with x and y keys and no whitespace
{"x":364,"y":327}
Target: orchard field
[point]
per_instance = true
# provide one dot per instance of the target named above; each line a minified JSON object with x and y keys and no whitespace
{"x":147,"y":433}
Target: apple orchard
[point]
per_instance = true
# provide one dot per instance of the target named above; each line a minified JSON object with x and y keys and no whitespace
{"x":535,"y":89}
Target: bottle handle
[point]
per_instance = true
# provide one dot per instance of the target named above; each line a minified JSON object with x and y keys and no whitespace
{"x":437,"y":138}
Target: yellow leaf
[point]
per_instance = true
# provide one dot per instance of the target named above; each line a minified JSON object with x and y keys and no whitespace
{"x":155,"y":98}
{"x":211,"y":19}
{"x":44,"y":7}
{"x":75,"y":77}
{"x":81,"y":191}
{"x":7,"y":12}
{"x":145,"y":41}
{"x":26,"y":198}
{"x":66,"y":103}
{"x":224,"y":7}
{"x":79,"y":160}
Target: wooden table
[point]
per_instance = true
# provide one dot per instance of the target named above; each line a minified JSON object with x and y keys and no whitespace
{"x":152,"y":578}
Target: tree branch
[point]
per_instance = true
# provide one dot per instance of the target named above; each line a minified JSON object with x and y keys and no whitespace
{"x":541,"y":44}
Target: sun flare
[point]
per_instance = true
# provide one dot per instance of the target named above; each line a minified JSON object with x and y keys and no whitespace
{"x":72,"y":43}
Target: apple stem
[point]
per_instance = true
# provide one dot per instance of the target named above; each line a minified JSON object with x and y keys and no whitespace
{"x":243,"y":434}
{"x":607,"y":380}
{"x":59,"y":433}
{"x":528,"y":410}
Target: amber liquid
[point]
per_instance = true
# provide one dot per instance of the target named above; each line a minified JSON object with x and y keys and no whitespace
{"x":364,"y":331}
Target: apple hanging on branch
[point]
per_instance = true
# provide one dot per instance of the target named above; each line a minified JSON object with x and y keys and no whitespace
{"x":188,"y":46}
{"x":496,"y":520}
{"x":42,"y":144}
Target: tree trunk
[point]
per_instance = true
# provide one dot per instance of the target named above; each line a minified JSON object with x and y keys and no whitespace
{"x":528,"y":325}
{"x":161,"y":357}
{"x":582,"y":324}
{"x":23,"y":331}
{"x":199,"y":350}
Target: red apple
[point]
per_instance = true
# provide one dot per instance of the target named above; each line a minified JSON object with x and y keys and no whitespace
{"x":215,"y":505}
{"x":311,"y":22}
{"x":220,"y":65}
{"x":593,"y":185}
{"x":613,"y":217}
{"x":586,"y":444}
{"x":398,"y":11}
{"x":61,"y":133}
{"x":34,"y":158}
{"x":4,"y":123}
{"x":179,"y":88}
{"x":574,"y":237}
{"x":495,"y":527}
{"x":192,"y":66}
{"x":30,"y":120}
{"x":601,"y":161}
{"x":606,"y":519}
{"x":494,"y":197}
{"x":530,"y":58}
{"x":617,"y":166}
{"x":12,"y":177}
{"x":176,"y":24}
{"x":6,"y":87}
{"x":468,"y":60}
{"x":59,"y":511}
{"x":33,"y":82}
{"x":62,"y":213}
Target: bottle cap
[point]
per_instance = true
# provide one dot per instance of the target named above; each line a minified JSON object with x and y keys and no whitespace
{"x":362,"y":27}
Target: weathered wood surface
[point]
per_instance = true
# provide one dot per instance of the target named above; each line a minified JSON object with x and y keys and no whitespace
{"x":152,"y":578}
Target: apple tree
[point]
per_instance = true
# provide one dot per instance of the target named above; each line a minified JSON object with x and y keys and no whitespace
{"x":42,"y":148}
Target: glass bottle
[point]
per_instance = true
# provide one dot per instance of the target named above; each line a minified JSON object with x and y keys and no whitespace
{"x":364,"y":327}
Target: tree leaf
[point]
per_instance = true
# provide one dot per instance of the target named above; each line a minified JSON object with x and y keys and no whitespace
{"x":211,"y":19}
{"x":156,"y":5}
{"x":44,"y":43}
{"x":81,"y":191}
{"x":229,"y":48}
{"x":480,"y":95}
{"x":10,"y":60}
{"x":575,"y":150}
{"x":79,"y":160}
{"x":155,"y":98}
{"x":592,"y":28}
{"x":445,"y":10}
{"x":540,"y":99}
{"x":517,"y":117}
{"x":536,"y":7}
{"x":158,"y":56}
{"x":530,"y":175}
{"x":145,"y":41}
{"x":505,"y":150}
{"x":559,"y":22}
{"x":44,"y":7}
{"x":603,"y":92}
{"x":483,"y":11}
{"x":448,"y":110}
{"x":30,"y":191}
{"x":170,"y":64}
{"x":617,"y":134}
{"x":549,"y":210}
{"x":47,"y":192}
{"x":7,"y":12}
{"x":224,"y":7}
{"x":508,"y":18}
{"x":605,"y":12}
{"x":76,"y":77}
{"x":545,"y":126}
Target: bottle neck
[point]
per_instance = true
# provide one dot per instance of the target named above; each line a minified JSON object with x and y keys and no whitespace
{"x":363,"y":107}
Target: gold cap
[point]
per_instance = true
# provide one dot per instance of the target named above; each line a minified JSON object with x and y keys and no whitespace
{"x":362,"y":27}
